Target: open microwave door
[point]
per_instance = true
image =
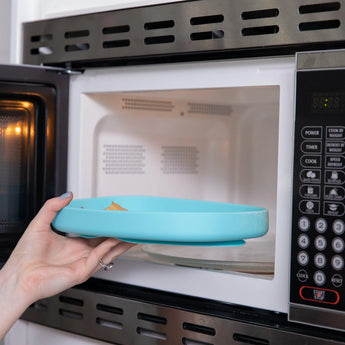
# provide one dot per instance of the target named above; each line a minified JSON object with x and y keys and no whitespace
{"x":33,"y":145}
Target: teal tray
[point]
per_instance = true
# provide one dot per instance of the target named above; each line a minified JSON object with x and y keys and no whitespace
{"x":163,"y":220}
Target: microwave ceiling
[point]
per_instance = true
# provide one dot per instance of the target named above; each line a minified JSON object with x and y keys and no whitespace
{"x":183,"y":31}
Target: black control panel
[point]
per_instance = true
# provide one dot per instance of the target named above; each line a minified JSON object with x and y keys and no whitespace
{"x":318,"y":222}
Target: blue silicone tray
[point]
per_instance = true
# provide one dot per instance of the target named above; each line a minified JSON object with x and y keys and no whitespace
{"x":164,"y":220}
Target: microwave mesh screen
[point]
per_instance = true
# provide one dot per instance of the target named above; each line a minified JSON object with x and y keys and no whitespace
{"x":184,"y":30}
{"x":13,"y":164}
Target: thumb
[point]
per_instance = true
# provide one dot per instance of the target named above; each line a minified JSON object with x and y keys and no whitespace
{"x":50,"y":209}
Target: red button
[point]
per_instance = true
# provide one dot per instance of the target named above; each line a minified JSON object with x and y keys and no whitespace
{"x":319,"y":295}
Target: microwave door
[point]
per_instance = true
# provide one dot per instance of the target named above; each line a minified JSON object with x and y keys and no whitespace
{"x":33,"y":131}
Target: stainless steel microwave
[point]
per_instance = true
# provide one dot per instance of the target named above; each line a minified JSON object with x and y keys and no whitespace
{"x":230,"y":102}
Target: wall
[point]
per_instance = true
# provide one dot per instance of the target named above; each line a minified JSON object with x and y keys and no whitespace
{"x":5,"y":15}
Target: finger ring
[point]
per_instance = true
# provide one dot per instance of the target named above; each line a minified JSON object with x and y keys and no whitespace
{"x":105,"y":266}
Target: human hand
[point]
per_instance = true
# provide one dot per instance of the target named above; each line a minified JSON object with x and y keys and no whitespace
{"x":45,"y":263}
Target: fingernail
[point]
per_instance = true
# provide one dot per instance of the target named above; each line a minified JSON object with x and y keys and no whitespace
{"x":65,"y":195}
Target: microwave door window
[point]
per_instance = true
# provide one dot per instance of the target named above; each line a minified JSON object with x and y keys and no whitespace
{"x":15,"y":147}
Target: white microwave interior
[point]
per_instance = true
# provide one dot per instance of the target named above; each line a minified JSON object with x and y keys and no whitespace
{"x":216,"y":144}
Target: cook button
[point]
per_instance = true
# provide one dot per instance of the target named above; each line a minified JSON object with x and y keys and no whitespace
{"x":316,"y":294}
{"x":310,"y":161}
{"x":312,"y":132}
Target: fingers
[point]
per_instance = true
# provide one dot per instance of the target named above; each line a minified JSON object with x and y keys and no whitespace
{"x":49,"y":210}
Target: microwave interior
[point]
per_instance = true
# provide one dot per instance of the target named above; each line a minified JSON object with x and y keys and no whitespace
{"x":215,"y":144}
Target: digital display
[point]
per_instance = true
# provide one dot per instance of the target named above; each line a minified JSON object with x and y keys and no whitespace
{"x":328,"y":102}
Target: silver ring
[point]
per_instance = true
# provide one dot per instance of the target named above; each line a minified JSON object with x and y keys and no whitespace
{"x":105,"y":266}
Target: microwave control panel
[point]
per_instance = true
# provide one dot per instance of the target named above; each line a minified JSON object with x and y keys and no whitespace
{"x":317,"y":280}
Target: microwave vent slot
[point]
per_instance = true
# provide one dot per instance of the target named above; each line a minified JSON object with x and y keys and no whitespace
{"x":70,"y":314}
{"x":116,"y":44}
{"x":219,"y":18}
{"x":199,"y":329}
{"x":70,"y":300}
{"x":39,"y":306}
{"x":260,"y":30}
{"x":123,"y":159}
{"x":109,"y":323}
{"x":109,"y":309}
{"x":119,"y":29}
{"x":77,"y":33}
{"x":151,"y":333}
{"x":165,"y":24}
{"x":180,"y":160}
{"x":319,"y":25}
{"x":159,"y":39}
{"x":317,"y":8}
{"x":147,"y":104}
{"x":267,"y":13}
{"x":188,"y":341}
{"x":152,"y":318}
{"x":209,"y":109}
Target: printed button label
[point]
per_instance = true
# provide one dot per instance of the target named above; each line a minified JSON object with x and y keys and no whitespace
{"x":337,"y":132}
{"x":335,"y":162}
{"x":309,"y":207}
{"x":310,"y":176}
{"x":337,"y":280}
{"x":313,"y":132}
{"x":310,"y":192}
{"x":302,"y":276}
{"x":335,"y":147}
{"x":311,"y":161}
{"x":333,"y":209}
{"x":311,"y":147}
{"x":334,"y":177}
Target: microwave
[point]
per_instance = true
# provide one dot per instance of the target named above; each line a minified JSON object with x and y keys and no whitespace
{"x":223,"y":102}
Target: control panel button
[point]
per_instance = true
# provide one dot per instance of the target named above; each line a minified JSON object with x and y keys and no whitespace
{"x":320,"y":260}
{"x":319,"y":278}
{"x":309,"y":207}
{"x":310,"y":176}
{"x":303,"y":241}
{"x":335,"y":147}
{"x":303,"y":258}
{"x":334,"y":193}
{"x":317,"y":294}
{"x":304,"y":223}
{"x":338,"y":227}
{"x":337,"y":262}
{"x":302,"y":276}
{"x":312,"y":132}
{"x":337,"y":280}
{"x":334,"y":177}
{"x":320,"y":243}
{"x":334,"y":162}
{"x":321,"y":225}
{"x":333,"y":209}
{"x":311,"y":161}
{"x":338,"y":244}
{"x":308,"y":146}
{"x":310,"y":192}
{"x":335,"y":132}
